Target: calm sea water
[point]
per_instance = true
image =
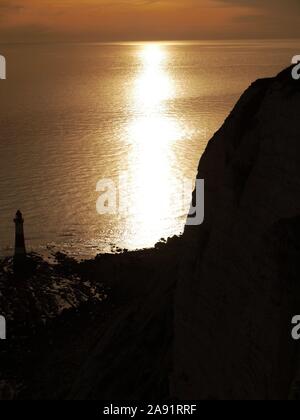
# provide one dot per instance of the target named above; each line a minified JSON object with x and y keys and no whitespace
{"x":72,"y":115}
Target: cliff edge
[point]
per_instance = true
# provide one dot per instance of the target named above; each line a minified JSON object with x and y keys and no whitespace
{"x":239,"y":284}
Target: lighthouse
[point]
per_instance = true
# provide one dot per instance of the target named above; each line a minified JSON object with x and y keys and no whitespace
{"x":20,"y":250}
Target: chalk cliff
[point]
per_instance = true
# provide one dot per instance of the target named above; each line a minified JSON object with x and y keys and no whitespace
{"x":239,"y":284}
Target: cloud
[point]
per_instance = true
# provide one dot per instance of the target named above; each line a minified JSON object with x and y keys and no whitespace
{"x":282,"y":4}
{"x":269,"y":18}
{"x":7,"y":7}
{"x":270,"y":7}
{"x":147,"y":19}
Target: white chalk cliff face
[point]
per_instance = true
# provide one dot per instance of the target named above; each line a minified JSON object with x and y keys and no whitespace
{"x":239,"y":284}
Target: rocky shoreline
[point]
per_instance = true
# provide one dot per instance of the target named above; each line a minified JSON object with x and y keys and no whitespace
{"x":56,"y":313}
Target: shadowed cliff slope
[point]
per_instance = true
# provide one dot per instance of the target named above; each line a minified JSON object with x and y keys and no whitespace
{"x":239,"y":284}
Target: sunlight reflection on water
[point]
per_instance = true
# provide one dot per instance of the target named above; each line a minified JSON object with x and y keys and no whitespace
{"x":152,"y":158}
{"x":94,"y":111}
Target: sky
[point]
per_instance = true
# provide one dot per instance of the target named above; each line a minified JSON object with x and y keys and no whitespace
{"x":140,"y":20}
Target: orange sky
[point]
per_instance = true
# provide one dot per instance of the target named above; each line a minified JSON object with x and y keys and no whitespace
{"x":117,"y":20}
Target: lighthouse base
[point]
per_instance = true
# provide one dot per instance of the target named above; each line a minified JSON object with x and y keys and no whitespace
{"x":24,"y":266}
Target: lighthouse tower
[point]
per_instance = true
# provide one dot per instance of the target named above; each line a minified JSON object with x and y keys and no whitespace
{"x":20,"y":250}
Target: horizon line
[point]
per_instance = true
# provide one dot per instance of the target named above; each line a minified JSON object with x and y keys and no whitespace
{"x":162,"y":41}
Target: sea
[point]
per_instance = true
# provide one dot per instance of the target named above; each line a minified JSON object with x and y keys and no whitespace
{"x":100,"y":143}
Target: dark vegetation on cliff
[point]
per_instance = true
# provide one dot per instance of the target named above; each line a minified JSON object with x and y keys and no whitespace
{"x":62,"y":315}
{"x":205,"y":316}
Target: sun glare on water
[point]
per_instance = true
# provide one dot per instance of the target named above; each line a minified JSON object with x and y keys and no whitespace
{"x":152,"y":135}
{"x":154,"y":84}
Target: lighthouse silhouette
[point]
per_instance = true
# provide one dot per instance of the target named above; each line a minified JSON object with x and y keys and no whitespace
{"x":20,"y":249}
